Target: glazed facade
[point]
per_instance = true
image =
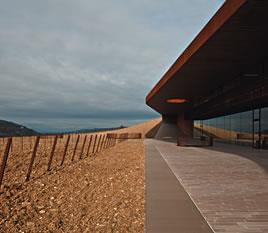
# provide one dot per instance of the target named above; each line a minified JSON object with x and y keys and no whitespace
{"x":249,"y":128}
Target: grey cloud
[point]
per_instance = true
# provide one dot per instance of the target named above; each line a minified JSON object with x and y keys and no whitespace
{"x":83,"y":58}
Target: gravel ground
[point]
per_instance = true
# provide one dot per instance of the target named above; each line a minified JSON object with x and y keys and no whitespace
{"x":104,"y":193}
{"x":100,"y":193}
{"x":143,"y":128}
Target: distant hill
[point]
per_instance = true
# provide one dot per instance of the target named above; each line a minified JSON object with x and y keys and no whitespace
{"x":8,"y":128}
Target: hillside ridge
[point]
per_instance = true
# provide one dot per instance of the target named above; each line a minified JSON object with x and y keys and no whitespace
{"x":8,"y":128}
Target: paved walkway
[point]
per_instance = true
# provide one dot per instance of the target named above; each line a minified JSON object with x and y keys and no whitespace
{"x":228,"y":184}
{"x":168,"y":207}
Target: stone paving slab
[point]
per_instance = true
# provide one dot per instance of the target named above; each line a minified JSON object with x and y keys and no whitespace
{"x":169,"y":209}
{"x":228,"y":183}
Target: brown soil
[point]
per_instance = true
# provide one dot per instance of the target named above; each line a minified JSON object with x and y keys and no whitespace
{"x":100,"y":193}
{"x":144,"y":128}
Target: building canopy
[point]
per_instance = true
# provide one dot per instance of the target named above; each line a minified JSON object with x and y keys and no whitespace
{"x":232,"y":45}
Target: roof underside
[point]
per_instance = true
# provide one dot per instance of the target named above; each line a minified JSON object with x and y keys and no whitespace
{"x":232,"y":44}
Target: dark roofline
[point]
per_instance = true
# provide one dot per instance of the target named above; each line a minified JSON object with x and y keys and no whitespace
{"x":221,"y":16}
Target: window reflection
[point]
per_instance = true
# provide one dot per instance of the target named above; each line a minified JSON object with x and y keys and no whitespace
{"x":264,"y":116}
{"x":236,"y":128}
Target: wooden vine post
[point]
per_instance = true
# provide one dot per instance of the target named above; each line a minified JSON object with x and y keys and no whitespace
{"x":75,"y":147}
{"x":52,"y":153}
{"x":32,"y":158}
{"x":65,"y":149}
{"x":83,"y":146}
{"x":4,"y":160}
{"x":89,"y":144}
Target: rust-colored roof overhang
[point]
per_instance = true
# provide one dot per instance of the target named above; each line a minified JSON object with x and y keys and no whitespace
{"x":229,"y":8}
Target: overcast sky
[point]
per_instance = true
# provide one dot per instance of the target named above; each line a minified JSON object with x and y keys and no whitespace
{"x":82,"y":59}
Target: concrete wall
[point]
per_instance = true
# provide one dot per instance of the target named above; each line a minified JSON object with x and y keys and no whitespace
{"x":185,"y":126}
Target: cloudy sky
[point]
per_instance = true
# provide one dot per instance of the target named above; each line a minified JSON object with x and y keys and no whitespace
{"x":68,"y":64}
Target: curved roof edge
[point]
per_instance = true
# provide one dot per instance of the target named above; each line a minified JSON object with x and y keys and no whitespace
{"x":228,"y":8}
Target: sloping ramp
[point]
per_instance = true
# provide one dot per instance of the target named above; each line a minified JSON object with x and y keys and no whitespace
{"x":168,"y":132}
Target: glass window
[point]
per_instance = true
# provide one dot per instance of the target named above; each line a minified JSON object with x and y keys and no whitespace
{"x":246,"y":122}
{"x":235,"y":122}
{"x":220,"y":122}
{"x":264,"y":121}
{"x":236,"y":127}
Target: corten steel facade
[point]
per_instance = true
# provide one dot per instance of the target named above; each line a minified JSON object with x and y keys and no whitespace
{"x":220,"y":82}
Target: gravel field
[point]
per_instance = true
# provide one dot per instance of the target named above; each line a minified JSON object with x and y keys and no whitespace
{"x":100,"y":193}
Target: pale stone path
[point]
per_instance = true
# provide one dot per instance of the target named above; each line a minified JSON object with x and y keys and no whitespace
{"x":228,"y":184}
{"x":168,"y":207}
